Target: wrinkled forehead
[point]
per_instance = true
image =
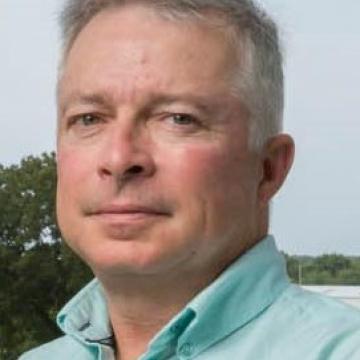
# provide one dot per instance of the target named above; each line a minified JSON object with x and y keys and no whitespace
{"x":135,"y":36}
{"x":212,"y":17}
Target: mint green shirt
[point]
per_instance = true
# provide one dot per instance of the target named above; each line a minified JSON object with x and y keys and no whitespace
{"x":250,"y":312}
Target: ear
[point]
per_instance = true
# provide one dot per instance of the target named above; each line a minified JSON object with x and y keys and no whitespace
{"x":277,"y":158}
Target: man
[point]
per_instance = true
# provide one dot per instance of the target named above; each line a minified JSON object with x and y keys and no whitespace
{"x":169,"y":152}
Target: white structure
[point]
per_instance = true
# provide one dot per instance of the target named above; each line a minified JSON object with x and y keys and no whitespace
{"x":348,"y":294}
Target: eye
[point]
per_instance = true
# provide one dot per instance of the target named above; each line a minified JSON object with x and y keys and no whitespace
{"x":183,"y":119}
{"x":86,"y":120}
{"x":86,"y":124}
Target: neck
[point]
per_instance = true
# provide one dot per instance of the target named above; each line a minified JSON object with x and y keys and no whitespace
{"x":140,"y":306}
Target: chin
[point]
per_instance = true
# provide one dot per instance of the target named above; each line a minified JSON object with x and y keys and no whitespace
{"x":125,"y":258}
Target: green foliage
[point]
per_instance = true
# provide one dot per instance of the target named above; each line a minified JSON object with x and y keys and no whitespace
{"x":38,"y":274}
{"x":329,"y":269}
{"x":292,"y":265}
{"x":333,"y":263}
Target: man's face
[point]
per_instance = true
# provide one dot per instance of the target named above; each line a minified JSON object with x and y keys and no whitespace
{"x":154,"y":172}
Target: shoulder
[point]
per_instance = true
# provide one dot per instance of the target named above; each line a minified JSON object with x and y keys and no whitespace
{"x":298,"y":325}
{"x":319,"y":324}
{"x":304,"y":303}
{"x":61,"y":348}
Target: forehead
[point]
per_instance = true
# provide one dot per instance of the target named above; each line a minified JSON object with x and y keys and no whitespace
{"x":134,"y":45}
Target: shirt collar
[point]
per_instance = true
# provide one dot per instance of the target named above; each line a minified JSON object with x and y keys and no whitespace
{"x":239,"y":294}
{"x":86,"y":316}
{"x":245,"y":289}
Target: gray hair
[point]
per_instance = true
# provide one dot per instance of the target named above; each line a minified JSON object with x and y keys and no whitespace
{"x":261,"y":84}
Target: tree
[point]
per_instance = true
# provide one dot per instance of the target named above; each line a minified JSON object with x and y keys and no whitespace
{"x":329,"y":269}
{"x":35,"y":266}
{"x":292,"y":267}
{"x":332,"y":263}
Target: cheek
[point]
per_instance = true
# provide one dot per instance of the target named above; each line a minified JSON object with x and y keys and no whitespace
{"x":214,"y":193}
{"x":72,"y":169}
{"x":211,"y":172}
{"x":73,"y":165}
{"x":190,"y":166}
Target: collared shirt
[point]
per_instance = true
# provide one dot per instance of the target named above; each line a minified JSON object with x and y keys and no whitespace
{"x":251,"y":311}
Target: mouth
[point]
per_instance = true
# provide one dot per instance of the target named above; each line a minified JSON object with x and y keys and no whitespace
{"x":118,"y":214}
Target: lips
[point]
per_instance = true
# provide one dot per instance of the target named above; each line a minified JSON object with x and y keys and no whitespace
{"x":126,"y":221}
{"x":129,"y":210}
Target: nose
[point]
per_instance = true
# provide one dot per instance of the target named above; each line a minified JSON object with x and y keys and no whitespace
{"x":126,"y":154}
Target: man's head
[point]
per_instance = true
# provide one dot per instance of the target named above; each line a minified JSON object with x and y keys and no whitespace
{"x":168,"y":152}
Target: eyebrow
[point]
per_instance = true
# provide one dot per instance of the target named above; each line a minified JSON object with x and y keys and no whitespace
{"x":102,"y":100}
{"x":203,"y":103}
{"x":106,"y":99}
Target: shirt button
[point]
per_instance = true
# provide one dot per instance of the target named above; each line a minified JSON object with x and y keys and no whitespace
{"x":174,"y":329}
{"x":186,"y":349}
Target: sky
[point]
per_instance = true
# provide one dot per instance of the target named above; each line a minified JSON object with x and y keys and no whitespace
{"x":318,"y":209}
